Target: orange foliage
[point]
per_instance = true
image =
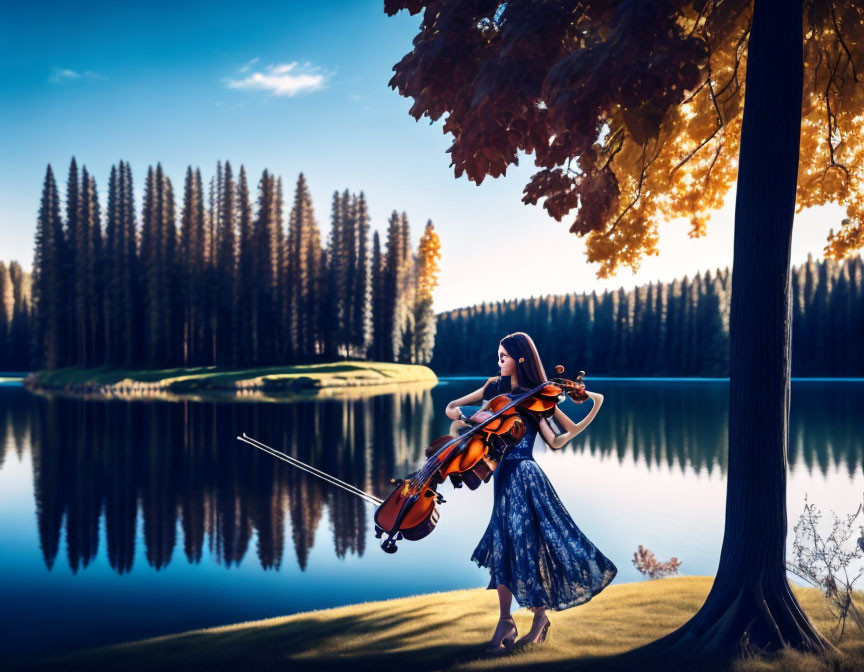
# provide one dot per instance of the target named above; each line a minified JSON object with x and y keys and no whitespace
{"x":428,"y":255}
{"x":633,"y":115}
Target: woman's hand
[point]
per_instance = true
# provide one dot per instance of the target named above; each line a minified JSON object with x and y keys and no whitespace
{"x":596,"y":396}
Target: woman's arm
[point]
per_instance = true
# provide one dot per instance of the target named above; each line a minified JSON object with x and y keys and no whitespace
{"x":571,"y":428}
{"x":452,"y":410}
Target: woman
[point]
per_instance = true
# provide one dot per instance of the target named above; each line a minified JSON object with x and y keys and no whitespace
{"x":532,"y":547}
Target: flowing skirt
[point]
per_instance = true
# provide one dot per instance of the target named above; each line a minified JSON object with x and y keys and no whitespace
{"x":532,"y":545}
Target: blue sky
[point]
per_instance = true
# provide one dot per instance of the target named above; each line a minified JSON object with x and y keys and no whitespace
{"x":292,"y":87}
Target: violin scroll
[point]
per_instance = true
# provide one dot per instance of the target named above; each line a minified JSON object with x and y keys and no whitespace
{"x":575,"y":389}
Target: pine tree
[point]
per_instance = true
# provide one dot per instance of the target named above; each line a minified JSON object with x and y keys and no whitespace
{"x":317,"y":273}
{"x":641,"y":333}
{"x":821,"y":317}
{"x":334,"y":305}
{"x":798,"y":316}
{"x":391,"y":311}
{"x":855,"y":363}
{"x":658,"y":361}
{"x":621,"y":327}
{"x":607,"y":309}
{"x":84,"y":272}
{"x":172,"y":334}
{"x":361,"y":318}
{"x":811,"y":283}
{"x":267,"y":308}
{"x":349,"y":261}
{"x":132,"y":294}
{"x":693,"y":327}
{"x":193,"y":271}
{"x":69,"y":344}
{"x":49,"y":283}
{"x":840,"y":311}
{"x":226,"y":353}
{"x":245,"y":271}
{"x":113,"y":286}
{"x":407,"y":284}
{"x":380,"y":332}
{"x":212,"y":274}
{"x":716,"y":345}
{"x":303,"y":248}
{"x":158,"y":233}
{"x":328,"y":314}
{"x":188,"y":243}
{"x":96,"y":302}
{"x":283,"y":267}
{"x":200,"y":270}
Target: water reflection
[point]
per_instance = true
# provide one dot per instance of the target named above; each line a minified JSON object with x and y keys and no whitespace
{"x":158,"y":506}
{"x":179,"y":463}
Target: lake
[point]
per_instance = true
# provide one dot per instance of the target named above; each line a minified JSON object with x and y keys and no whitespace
{"x":122,"y":520}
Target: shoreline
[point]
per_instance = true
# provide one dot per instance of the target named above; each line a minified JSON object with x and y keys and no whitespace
{"x":441,"y":631}
{"x":304,"y":381}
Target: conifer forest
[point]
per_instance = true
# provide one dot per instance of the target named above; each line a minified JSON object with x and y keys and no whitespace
{"x":206,"y":279}
{"x":215,"y":281}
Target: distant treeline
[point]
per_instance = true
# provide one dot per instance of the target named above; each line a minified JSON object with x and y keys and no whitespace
{"x":220,"y":283}
{"x":662,"y":329}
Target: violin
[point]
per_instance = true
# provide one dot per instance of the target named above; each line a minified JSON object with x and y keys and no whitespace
{"x":411,"y":510}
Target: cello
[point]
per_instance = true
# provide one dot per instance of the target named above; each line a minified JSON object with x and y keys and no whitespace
{"x":410,"y":511}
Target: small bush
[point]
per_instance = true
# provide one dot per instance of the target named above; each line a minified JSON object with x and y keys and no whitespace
{"x":651,"y":567}
{"x":824,"y":562}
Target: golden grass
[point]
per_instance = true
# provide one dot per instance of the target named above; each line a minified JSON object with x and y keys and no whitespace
{"x":446,"y":631}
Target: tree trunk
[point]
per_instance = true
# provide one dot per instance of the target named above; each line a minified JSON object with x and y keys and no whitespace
{"x":751,"y":607}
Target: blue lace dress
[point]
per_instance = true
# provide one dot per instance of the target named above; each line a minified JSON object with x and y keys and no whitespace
{"x":531,"y":544}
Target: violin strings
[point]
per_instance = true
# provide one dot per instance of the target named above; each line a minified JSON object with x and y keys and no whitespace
{"x":310,"y":469}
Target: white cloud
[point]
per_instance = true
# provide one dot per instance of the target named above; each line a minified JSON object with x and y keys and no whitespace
{"x":249,"y":64}
{"x":59,"y":75}
{"x":282,"y":79}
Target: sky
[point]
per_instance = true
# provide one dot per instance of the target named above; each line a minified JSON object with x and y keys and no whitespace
{"x":292,"y":87}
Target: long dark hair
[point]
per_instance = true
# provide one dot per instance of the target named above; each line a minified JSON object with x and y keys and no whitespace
{"x":529,"y":371}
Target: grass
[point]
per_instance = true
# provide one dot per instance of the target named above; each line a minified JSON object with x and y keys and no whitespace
{"x":309,"y":378}
{"x":446,"y":631}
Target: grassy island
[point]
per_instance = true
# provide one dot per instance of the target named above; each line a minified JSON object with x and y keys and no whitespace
{"x":256,"y":382}
{"x":446,"y":631}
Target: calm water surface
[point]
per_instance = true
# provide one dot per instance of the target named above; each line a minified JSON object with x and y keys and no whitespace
{"x":122,"y":520}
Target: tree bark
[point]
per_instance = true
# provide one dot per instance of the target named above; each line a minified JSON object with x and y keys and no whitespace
{"x":751,"y":608}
